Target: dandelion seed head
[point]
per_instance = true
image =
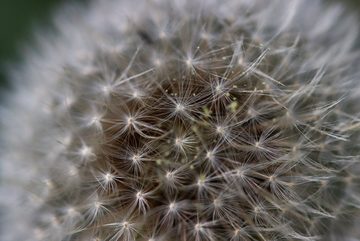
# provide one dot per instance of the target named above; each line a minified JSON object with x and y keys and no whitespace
{"x":179,"y":107}
{"x":108,"y":177}
{"x":210,"y":155}
{"x":172,"y":206}
{"x":220,"y":130}
{"x":106,"y":89}
{"x":185,"y":120}
{"x":189,"y":62}
{"x":217,"y":202}
{"x":85,"y":151}
{"x":198,"y":227}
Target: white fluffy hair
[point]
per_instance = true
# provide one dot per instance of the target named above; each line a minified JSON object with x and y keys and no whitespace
{"x":185,"y":120}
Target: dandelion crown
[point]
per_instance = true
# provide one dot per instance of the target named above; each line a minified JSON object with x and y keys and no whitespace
{"x":187,"y":121}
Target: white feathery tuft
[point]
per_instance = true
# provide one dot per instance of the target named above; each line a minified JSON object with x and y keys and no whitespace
{"x":185,"y":120}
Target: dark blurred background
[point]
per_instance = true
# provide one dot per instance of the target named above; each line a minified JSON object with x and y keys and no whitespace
{"x":18,"y":19}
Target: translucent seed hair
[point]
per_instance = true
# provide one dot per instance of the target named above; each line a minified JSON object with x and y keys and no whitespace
{"x":185,"y":120}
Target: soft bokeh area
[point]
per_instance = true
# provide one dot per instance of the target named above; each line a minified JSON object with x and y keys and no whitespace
{"x":18,"y":19}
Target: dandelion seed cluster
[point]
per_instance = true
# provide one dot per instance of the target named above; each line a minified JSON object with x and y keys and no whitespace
{"x":185,"y":120}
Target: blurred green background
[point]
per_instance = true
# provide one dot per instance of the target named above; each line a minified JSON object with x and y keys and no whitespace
{"x":17,"y":20}
{"x":19,"y":17}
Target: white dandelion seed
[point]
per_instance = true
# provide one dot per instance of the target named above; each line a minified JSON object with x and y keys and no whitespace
{"x":185,"y":120}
